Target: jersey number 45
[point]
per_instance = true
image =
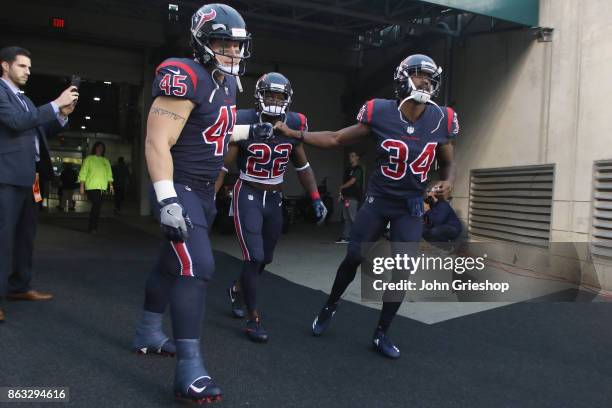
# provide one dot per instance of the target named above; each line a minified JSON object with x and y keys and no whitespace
{"x":224,"y":125}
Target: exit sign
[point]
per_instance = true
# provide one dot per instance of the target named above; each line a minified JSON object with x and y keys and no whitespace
{"x":57,"y":22}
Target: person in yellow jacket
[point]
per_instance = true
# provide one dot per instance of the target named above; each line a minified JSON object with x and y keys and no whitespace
{"x":96,"y":176}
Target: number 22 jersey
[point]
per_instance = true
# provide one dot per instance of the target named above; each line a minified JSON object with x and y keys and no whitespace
{"x":405,"y":151}
{"x":266,"y":162}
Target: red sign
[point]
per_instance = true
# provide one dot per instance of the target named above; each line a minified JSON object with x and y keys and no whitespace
{"x":57,"y":22}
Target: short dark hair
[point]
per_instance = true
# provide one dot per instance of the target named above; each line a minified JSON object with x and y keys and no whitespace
{"x":9,"y":54}
{"x":358,"y":153}
{"x":95,"y":146}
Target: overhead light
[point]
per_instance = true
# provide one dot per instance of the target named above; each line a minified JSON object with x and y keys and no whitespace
{"x":107,"y":82}
{"x":83,"y":127}
{"x":87,"y":117}
{"x":97,"y":99}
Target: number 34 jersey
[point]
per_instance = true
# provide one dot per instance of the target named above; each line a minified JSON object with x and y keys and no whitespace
{"x":266,"y":162}
{"x":405,"y":151}
{"x":198,"y":152}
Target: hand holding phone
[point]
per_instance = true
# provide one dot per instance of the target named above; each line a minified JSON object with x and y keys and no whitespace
{"x":75,"y":81}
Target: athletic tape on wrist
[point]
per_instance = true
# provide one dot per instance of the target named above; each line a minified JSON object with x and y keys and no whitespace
{"x":164,"y":189}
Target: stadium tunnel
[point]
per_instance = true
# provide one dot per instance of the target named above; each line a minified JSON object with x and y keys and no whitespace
{"x":336,"y":53}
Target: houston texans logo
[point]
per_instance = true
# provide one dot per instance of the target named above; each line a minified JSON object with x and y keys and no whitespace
{"x":204,"y":17}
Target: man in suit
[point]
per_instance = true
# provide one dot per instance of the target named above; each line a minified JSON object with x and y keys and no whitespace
{"x":23,"y":150}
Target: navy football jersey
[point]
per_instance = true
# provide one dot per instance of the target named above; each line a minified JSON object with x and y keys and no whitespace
{"x":405,"y":151}
{"x":198,"y":152}
{"x":266,"y":162}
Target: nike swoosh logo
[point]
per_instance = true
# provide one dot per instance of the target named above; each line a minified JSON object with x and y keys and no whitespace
{"x":196,"y":389}
{"x":178,"y":71}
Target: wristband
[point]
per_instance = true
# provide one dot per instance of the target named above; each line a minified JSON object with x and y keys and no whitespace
{"x":241,"y":132}
{"x":304,"y":167}
{"x":301,"y":138}
{"x":164,"y":189}
{"x":314,"y":195}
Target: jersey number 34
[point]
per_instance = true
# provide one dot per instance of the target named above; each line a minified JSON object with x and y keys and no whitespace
{"x":398,"y":160}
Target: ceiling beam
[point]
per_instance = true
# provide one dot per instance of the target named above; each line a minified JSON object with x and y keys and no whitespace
{"x":291,"y":22}
{"x":356,"y":14}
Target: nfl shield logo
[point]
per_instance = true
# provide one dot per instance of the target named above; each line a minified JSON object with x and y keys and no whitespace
{"x":410,"y":130}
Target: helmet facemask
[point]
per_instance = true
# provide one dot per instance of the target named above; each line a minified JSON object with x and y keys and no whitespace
{"x":237,"y":63}
{"x":269,"y":103}
{"x":405,"y":88}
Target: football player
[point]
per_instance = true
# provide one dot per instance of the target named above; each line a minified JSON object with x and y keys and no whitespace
{"x":189,"y":126}
{"x":257,"y":197}
{"x":410,"y":131}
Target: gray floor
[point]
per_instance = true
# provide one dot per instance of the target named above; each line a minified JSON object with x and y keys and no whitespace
{"x":521,"y":355}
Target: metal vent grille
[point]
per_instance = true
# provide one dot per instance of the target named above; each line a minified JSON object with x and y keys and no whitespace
{"x":512,"y":203}
{"x":602,"y":211}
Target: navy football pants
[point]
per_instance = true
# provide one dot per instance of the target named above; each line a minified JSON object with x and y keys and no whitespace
{"x":183,"y":269}
{"x":406,"y":217}
{"x":258,"y":218}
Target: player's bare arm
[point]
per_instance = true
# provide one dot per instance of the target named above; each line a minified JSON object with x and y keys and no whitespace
{"x":229,"y":158}
{"x":326,"y":139}
{"x":304,"y":171}
{"x":166,"y":120}
{"x":446,"y":161}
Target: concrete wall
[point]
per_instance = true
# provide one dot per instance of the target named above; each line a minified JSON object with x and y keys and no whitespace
{"x":523,"y":102}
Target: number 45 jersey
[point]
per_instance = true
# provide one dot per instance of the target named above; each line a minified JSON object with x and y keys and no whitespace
{"x":405,"y":150}
{"x":198,"y":152}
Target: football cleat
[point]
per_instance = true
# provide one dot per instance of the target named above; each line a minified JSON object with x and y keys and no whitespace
{"x":167,"y":348}
{"x":202,"y":391}
{"x":192,"y":382}
{"x":323,"y":319}
{"x":150,"y":339}
{"x":234,"y":298}
{"x":384,"y":345}
{"x":255,"y":332}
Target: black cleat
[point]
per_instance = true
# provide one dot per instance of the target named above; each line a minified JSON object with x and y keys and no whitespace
{"x":255,"y":332}
{"x":167,"y":348}
{"x":202,"y":391}
{"x":323,"y":319}
{"x":384,"y":345}
{"x":150,"y":338}
{"x":192,"y":382}
{"x":234,"y":298}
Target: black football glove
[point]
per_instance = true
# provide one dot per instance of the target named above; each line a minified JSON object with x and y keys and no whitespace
{"x":175,"y":222}
{"x":262,"y":132}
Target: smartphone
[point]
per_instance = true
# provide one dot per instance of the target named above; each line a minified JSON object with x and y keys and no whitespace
{"x":75,"y":81}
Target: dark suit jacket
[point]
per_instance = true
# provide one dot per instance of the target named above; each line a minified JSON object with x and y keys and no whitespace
{"x":18,"y":128}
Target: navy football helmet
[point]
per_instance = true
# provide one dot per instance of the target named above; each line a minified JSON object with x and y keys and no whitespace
{"x":417,"y":65}
{"x":266,"y":86}
{"x":222,"y":23}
